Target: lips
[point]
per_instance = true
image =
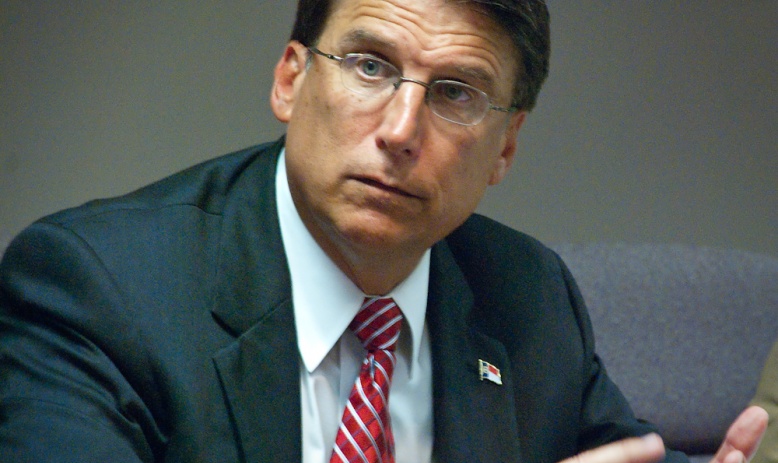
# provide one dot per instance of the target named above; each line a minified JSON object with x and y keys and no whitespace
{"x":383,"y":186}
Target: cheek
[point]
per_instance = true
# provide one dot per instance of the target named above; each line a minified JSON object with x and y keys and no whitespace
{"x":460,"y":180}
{"x":337,"y":122}
{"x":470,"y":175}
{"x":313,"y":129}
{"x":473,"y":162}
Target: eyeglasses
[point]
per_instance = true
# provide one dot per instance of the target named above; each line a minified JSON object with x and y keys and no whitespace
{"x":453,"y":101}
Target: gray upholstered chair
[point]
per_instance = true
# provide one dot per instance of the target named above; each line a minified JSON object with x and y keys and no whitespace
{"x":684,"y":331}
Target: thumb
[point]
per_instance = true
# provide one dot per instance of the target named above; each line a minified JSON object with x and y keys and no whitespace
{"x":646,"y":449}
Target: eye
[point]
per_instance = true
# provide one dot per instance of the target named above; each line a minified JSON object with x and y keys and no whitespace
{"x":455,"y":92}
{"x":369,"y":67}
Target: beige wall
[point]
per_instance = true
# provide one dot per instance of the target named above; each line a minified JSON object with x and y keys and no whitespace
{"x":658,"y":123}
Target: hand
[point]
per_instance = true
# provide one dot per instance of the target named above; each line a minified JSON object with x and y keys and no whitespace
{"x":739,"y":445}
{"x":646,"y":449}
{"x":743,"y":437}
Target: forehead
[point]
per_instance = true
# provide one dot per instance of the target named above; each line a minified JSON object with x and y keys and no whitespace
{"x":429,"y":31}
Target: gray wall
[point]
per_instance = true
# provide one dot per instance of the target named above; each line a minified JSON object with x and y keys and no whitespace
{"x":658,"y":123}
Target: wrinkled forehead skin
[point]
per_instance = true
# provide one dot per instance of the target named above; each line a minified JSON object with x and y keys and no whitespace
{"x":498,"y":34}
{"x":335,"y":5}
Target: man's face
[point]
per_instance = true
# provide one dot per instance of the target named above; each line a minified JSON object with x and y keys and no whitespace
{"x":387,"y":176}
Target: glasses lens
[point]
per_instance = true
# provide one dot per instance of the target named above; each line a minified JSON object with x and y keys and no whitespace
{"x":454,"y":101}
{"x":458,"y":102}
{"x":367,"y":75}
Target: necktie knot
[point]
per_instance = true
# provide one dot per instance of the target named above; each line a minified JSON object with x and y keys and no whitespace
{"x":377,"y":324}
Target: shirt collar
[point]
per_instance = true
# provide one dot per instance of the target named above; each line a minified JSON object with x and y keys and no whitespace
{"x":325,"y":300}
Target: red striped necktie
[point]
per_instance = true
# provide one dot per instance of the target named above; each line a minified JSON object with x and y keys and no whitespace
{"x":365,"y":433}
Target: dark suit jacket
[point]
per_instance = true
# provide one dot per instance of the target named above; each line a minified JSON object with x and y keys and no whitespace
{"x":159,"y":327}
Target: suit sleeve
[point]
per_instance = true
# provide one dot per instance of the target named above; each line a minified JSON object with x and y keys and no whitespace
{"x":606,"y":416}
{"x":63,"y":397}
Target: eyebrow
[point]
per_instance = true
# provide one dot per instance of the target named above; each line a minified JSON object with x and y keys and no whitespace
{"x":361,"y":38}
{"x":480,"y":75}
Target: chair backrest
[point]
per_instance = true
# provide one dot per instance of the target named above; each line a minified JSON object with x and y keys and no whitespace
{"x":684,"y":331}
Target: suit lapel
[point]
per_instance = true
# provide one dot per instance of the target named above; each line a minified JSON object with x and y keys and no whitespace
{"x":260,"y":379}
{"x":259,"y":371}
{"x":475,"y":421}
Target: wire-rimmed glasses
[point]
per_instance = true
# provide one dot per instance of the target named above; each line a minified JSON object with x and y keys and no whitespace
{"x":454,"y":101}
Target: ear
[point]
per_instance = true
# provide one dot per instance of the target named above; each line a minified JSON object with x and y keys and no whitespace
{"x":505,"y":160}
{"x":288,"y":76}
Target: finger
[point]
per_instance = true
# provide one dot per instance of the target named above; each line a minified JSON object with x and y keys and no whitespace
{"x":743,"y":437}
{"x":646,"y":449}
{"x":735,"y":457}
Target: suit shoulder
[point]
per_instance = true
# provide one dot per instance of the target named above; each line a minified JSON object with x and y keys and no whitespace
{"x":506,"y":267}
{"x":497,"y":246}
{"x":177,"y":219}
{"x":204,"y":186}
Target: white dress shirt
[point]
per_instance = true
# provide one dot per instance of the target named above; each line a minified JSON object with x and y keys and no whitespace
{"x":325,"y":301}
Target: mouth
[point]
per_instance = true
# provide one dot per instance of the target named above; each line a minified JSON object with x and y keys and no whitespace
{"x":384,"y":187}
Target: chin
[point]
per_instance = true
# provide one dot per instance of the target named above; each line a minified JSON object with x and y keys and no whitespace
{"x":381,"y":237}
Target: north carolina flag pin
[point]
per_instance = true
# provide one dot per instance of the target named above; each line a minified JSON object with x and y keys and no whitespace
{"x":488,"y":371}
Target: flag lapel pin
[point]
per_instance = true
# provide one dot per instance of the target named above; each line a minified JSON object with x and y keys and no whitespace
{"x":489,"y":372}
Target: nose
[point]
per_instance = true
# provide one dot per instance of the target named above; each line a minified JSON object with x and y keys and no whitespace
{"x":400,"y":130}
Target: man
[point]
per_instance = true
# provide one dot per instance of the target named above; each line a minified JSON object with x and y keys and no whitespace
{"x":208,"y":317}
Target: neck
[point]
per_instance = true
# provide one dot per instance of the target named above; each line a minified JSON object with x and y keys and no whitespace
{"x":377,"y":275}
{"x":377,"y":270}
{"x":377,"y":283}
